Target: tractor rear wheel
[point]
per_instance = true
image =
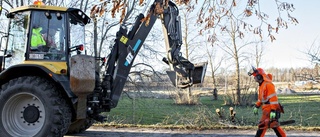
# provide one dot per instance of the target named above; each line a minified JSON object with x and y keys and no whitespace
{"x":33,"y":106}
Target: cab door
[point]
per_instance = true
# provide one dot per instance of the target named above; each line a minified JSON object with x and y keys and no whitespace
{"x":17,"y":39}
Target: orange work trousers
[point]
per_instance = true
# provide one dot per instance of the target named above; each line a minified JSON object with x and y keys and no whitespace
{"x":265,"y":123}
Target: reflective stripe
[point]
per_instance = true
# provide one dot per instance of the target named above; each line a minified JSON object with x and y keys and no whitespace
{"x":268,"y":97}
{"x":274,"y":102}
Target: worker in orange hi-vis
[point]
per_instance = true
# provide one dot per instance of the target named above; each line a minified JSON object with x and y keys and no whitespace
{"x":268,"y":100}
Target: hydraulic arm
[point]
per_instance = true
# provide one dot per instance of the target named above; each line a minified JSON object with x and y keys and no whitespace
{"x":128,"y":43}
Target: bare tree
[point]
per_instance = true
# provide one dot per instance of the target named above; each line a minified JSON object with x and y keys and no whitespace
{"x":213,"y":12}
{"x":234,"y":46}
{"x":192,"y":41}
{"x":214,"y":63}
{"x":258,"y":53}
{"x":214,"y":66}
{"x":313,"y":52}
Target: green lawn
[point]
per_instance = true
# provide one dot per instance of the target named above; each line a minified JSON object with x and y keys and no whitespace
{"x":304,"y":109}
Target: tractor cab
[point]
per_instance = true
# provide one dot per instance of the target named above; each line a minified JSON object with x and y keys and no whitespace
{"x":40,"y":33}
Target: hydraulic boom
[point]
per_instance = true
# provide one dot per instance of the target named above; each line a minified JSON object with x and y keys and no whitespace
{"x":128,"y":43}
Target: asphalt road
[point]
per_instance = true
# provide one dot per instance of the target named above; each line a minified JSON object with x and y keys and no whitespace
{"x":149,"y":132}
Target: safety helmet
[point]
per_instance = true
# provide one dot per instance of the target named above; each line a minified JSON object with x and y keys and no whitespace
{"x":256,"y":71}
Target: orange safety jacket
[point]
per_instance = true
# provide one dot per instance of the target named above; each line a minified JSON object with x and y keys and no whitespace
{"x":267,"y":96}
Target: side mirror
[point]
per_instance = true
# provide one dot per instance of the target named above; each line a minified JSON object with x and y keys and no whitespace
{"x":77,"y":48}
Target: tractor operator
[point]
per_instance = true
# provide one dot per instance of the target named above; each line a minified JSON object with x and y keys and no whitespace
{"x":49,"y":38}
{"x":267,"y":98}
{"x":37,"y":39}
{"x":43,"y":42}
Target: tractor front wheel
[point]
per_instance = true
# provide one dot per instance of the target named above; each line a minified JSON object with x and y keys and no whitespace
{"x":33,"y":106}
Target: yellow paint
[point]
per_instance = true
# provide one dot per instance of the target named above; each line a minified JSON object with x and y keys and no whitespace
{"x":54,"y":67}
{"x":124,"y":39}
{"x":39,"y":7}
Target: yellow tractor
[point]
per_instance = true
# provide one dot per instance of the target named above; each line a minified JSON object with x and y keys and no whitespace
{"x":50,"y":88}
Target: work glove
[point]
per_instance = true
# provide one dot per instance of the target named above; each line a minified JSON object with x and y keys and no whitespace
{"x":272,"y":114}
{"x":255,"y":110}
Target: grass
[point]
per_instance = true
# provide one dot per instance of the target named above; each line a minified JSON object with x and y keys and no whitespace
{"x":304,"y":109}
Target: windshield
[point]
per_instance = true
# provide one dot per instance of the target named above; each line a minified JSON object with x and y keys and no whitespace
{"x":47,"y":35}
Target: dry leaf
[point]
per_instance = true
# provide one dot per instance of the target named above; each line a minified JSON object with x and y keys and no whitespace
{"x":146,"y":19}
{"x":141,"y":2}
{"x":247,"y":12}
{"x":158,"y":9}
{"x":101,"y":12}
{"x":123,"y":14}
{"x":92,"y":12}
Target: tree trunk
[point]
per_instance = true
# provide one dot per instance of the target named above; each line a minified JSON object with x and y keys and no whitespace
{"x":237,"y":100}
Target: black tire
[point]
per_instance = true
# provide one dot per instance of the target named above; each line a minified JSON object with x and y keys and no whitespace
{"x":80,"y":125}
{"x":33,"y":106}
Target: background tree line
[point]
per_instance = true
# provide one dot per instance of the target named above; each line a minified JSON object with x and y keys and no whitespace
{"x":159,"y":81}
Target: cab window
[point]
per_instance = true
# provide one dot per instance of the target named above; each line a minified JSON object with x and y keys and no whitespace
{"x":17,"y":38}
{"x":47,"y":36}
